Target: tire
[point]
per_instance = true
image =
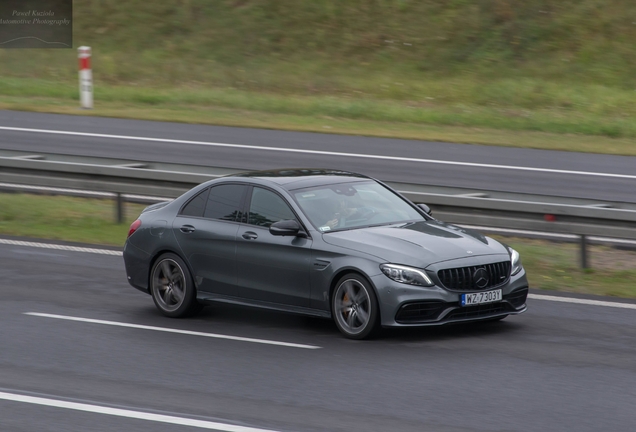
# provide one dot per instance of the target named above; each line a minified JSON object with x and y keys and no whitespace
{"x":354,"y":307}
{"x":172,"y":287}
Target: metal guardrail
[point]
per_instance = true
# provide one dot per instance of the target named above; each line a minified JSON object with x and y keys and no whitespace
{"x":454,"y":205}
{"x":602,"y":219}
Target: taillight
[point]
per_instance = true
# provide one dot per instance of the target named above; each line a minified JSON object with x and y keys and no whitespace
{"x":133,"y":227}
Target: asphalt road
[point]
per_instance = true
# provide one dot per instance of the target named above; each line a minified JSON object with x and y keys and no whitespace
{"x":566,"y":174}
{"x":559,"y":366}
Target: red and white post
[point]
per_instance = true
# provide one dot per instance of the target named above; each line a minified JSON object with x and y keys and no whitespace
{"x":85,"y":77}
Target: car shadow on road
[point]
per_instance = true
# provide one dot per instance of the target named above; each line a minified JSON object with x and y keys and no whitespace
{"x":263,"y":318}
{"x":225,"y":317}
{"x":451,"y":331}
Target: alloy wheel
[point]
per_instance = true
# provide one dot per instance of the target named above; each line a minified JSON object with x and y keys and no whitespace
{"x":168,"y":284}
{"x":352,"y":307}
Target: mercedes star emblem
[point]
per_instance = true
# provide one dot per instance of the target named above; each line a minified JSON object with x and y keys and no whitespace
{"x":480,"y":278}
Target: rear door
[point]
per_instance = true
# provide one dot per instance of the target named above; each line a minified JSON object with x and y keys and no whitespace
{"x":206,"y":230}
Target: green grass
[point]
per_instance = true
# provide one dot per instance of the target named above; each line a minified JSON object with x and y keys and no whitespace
{"x":64,"y":218}
{"x":500,"y":105}
{"x":221,"y":115}
{"x":549,"y":265}
{"x":555,"y":266}
{"x":557,"y":67}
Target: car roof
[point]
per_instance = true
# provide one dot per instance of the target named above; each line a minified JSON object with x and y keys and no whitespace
{"x":298,"y":178}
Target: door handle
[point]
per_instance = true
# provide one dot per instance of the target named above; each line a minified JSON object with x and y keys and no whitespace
{"x":250,"y":235}
{"x":187,"y":229}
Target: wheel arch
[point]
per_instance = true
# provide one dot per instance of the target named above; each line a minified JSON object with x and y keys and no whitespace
{"x":188,"y":304}
{"x":161,"y":252}
{"x":344,"y":271}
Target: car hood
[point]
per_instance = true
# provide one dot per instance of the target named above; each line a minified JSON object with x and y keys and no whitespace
{"x":417,"y":244}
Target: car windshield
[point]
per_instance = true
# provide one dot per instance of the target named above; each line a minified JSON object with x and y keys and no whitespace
{"x":353,"y":205}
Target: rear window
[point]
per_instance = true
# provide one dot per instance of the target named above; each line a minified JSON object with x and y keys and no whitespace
{"x":196,"y":206}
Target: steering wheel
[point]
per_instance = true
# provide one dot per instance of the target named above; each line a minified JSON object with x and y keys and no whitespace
{"x":363,"y":214}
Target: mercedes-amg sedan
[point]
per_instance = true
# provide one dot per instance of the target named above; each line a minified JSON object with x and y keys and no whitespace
{"x":325,"y":243}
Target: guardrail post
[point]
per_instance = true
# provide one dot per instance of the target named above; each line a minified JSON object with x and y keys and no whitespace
{"x":119,"y":208}
{"x":584,"y":251}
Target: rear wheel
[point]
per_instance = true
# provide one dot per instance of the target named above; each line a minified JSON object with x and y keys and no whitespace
{"x":355,"y":307}
{"x":172,"y":287}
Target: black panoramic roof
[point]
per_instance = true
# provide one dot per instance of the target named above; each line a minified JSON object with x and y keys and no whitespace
{"x":296,"y":178}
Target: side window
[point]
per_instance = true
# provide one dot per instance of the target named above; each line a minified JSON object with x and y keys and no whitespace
{"x":267,"y":207}
{"x":196,"y":206}
{"x":224,"y":202}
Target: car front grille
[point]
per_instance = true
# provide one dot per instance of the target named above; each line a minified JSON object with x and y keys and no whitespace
{"x":473,"y":278}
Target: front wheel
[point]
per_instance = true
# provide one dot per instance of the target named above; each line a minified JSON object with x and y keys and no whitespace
{"x":355,"y":307}
{"x":172,"y":287}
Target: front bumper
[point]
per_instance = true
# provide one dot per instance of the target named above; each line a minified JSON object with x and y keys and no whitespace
{"x":407,"y":306}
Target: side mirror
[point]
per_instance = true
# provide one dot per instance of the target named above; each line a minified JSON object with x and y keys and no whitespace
{"x":285,"y":228}
{"x":426,"y":209}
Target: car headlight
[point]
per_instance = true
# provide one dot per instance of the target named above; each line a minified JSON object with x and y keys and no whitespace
{"x":406,"y":275}
{"x":515,"y":261}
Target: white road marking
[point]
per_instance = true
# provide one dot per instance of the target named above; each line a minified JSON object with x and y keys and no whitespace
{"x":319,"y":152}
{"x":60,"y":247}
{"x":169,"y":330}
{"x":582,"y":301}
{"x":119,"y":412}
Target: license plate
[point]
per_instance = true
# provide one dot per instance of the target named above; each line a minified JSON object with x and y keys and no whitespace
{"x":481,"y":298}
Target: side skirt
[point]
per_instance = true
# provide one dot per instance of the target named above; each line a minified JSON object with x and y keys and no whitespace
{"x":206,"y":297}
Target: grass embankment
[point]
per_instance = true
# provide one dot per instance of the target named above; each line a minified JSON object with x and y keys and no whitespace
{"x":549,"y":265}
{"x":83,"y":220}
{"x":534,"y":73}
{"x":556,"y":266}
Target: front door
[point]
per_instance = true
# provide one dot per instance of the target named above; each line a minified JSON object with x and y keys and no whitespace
{"x":271,"y":268}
